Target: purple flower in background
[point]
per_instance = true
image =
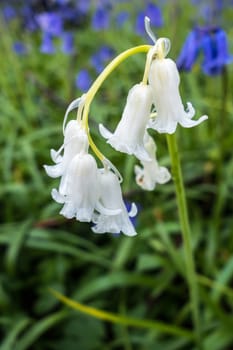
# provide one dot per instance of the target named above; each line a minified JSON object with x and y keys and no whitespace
{"x":189,"y":52}
{"x":121,"y":18}
{"x":47,"y":45}
{"x":212,"y":43}
{"x":216,"y":54}
{"x":106,"y":53}
{"x":8,"y":12}
{"x":28,"y":17}
{"x":100,"y":19}
{"x":211,"y":10}
{"x":98,"y":60}
{"x":67,"y":43}
{"x":61,"y":2}
{"x":83,"y":80}
{"x":51,"y":23}
{"x":19,"y":48}
{"x":83,"y":6}
{"x":153,"y":12}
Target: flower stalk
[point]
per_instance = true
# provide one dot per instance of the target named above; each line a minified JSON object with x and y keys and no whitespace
{"x":186,"y":234}
{"x":99,"y":81}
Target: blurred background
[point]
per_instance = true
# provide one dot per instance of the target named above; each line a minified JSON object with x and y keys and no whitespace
{"x":51,"y":52}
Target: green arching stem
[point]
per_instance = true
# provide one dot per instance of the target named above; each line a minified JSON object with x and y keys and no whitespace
{"x":99,"y":81}
{"x":186,"y":234}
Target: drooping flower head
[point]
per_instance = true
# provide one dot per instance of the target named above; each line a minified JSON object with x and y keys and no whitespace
{"x":111,"y":198}
{"x":78,"y":190}
{"x":164,"y":79}
{"x":75,"y":142}
{"x":129,"y":134}
{"x":151,"y":172}
{"x":94,"y":195}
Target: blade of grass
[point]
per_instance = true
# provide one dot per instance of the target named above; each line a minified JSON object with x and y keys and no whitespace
{"x":10,"y":340}
{"x":121,"y":319}
{"x":40,"y":327}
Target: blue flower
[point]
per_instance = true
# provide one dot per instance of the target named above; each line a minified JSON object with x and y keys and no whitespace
{"x":211,"y":11}
{"x":8,"y":12}
{"x":29,"y":18}
{"x":121,"y":18}
{"x":189,"y":52}
{"x":83,"y":80}
{"x":51,"y":23}
{"x":153,"y":12}
{"x":67,"y":43}
{"x":19,"y":48}
{"x":100,"y":19}
{"x":83,"y":6}
{"x":99,"y":59}
{"x":47,"y":45}
{"x":61,"y":2}
{"x":212,"y":43}
{"x":216,"y":54}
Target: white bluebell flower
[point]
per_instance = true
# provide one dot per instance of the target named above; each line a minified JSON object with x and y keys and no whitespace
{"x":128,"y":136}
{"x":75,"y":142}
{"x":151,"y":172}
{"x":164,"y":79}
{"x":78,"y":189}
{"x":111,"y":198}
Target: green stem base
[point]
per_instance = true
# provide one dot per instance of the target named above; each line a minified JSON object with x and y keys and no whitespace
{"x":186,"y":235}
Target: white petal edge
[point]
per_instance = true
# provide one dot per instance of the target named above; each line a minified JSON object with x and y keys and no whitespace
{"x":54,"y":171}
{"x":104,"y":132}
{"x":55,"y":155}
{"x":57,"y":197}
{"x":106,"y":211}
{"x":133,"y":211}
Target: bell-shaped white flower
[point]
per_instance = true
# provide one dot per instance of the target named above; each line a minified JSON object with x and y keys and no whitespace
{"x":75,"y":141}
{"x":128,"y":136}
{"x":78,"y":190}
{"x":151,"y":172}
{"x":164,"y":79}
{"x":111,"y":198}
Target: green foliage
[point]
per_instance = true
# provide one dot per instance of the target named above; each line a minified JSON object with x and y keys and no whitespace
{"x":142,"y":277}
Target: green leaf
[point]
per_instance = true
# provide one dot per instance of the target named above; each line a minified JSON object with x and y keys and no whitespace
{"x":10,"y":340}
{"x":40,"y":327}
{"x":16,"y":241}
{"x":124,"y":320}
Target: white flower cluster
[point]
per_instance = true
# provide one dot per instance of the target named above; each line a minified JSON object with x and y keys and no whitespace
{"x":162,"y":95}
{"x":86,"y":192}
{"x":94,"y":195}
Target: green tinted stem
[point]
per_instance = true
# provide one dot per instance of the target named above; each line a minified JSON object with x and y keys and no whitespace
{"x":186,"y":234}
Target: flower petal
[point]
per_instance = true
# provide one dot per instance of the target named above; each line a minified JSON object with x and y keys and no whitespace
{"x":55,"y":155}
{"x":54,"y":170}
{"x":133,"y":211}
{"x":104,"y":132}
{"x":106,"y":211}
{"x":162,"y":175}
{"x":57,"y":197}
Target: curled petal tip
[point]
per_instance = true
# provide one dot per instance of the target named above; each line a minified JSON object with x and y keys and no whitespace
{"x":104,"y":131}
{"x":133,"y":211}
{"x":148,"y":29}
